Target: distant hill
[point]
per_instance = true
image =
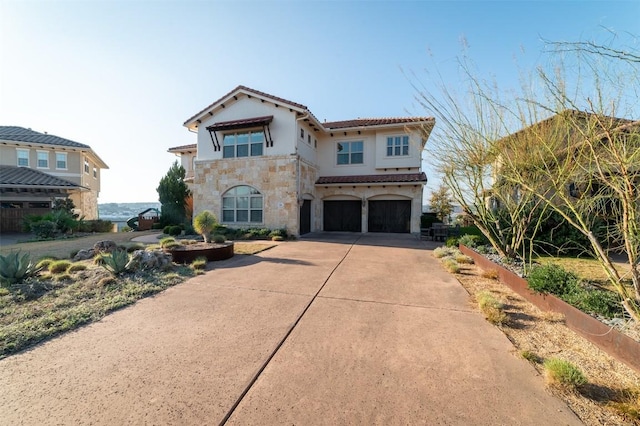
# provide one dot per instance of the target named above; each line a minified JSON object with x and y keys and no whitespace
{"x":124,"y":210}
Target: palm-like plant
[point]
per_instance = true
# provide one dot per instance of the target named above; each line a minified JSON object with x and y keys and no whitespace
{"x":204,"y":223}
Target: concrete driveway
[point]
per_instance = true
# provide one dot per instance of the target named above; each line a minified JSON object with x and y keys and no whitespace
{"x":330,"y":329}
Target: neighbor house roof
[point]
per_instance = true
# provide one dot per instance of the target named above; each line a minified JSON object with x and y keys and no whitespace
{"x":183,"y":148}
{"x":20,"y":134}
{"x":370,"y":122}
{"x":24,"y":177}
{"x":397,"y":178}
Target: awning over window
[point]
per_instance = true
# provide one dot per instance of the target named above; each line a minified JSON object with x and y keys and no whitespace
{"x":244,"y":123}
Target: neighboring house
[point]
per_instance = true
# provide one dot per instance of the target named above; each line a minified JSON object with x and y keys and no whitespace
{"x":263,"y":161}
{"x":36,"y":168}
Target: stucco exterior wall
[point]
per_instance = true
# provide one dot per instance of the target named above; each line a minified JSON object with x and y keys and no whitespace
{"x":274,"y":177}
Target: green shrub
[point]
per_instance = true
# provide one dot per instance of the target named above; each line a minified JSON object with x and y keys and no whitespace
{"x":116,"y":261}
{"x":75,"y":267}
{"x":451,"y":242}
{"x":204,"y":223}
{"x":172,"y":245}
{"x":15,"y":267}
{"x":166,"y":240}
{"x":200,"y":263}
{"x":157,"y":226}
{"x":563,"y":373}
{"x":175,"y":230}
{"x":277,"y":238}
{"x":601,"y":302}
{"x":491,"y":308}
{"x":188,"y":230}
{"x":471,"y":230}
{"x":428,"y":219}
{"x":59,"y":266}
{"x":552,"y":278}
{"x":278,"y":233}
{"x":471,"y":241}
{"x":219,"y":239}
{"x":44,"y":229}
{"x":44,"y":263}
{"x":97,"y":225}
{"x":531,"y":356}
{"x":166,"y":229}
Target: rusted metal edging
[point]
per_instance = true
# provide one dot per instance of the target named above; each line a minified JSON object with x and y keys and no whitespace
{"x":608,"y":339}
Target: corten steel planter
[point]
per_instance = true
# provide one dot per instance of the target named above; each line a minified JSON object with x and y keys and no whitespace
{"x":211,"y":251}
{"x":608,"y":339}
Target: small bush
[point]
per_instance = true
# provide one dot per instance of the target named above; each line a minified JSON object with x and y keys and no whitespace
{"x":441,"y":252}
{"x":492,"y":274}
{"x":134,"y":247}
{"x":277,"y":238}
{"x":97,"y":225}
{"x":482,"y":249}
{"x":602,"y":302}
{"x":59,"y":266}
{"x":75,"y":267}
{"x":44,"y":229}
{"x":175,"y":230}
{"x":166,"y":229}
{"x":157,"y":226}
{"x":451,"y":265}
{"x":219,"y":239}
{"x":44,"y":263}
{"x":167,"y":240}
{"x":563,"y":374}
{"x":552,"y":278}
{"x":172,"y":245}
{"x":451,"y":242}
{"x":188,"y":230}
{"x":204,"y":223}
{"x":63,"y":277}
{"x":471,"y":241}
{"x":462,"y":258}
{"x":491,"y":308}
{"x":531,"y":357}
{"x":200,"y":263}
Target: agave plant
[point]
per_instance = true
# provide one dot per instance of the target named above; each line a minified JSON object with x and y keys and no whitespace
{"x":15,"y":267}
{"x":116,"y":262}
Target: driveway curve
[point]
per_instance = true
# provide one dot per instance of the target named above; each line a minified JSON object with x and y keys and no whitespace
{"x":330,"y":329}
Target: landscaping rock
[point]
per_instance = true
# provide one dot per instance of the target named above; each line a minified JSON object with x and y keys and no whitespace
{"x":84,"y":254}
{"x":105,"y":246}
{"x":142,"y":259}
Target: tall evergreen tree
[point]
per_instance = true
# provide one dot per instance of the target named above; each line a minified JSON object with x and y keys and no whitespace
{"x":173,"y":193}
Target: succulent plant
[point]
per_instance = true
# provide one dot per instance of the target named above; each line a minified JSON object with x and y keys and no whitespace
{"x":15,"y":267}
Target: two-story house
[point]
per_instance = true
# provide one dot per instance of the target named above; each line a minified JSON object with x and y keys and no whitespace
{"x":264,"y":161}
{"x":36,"y":168}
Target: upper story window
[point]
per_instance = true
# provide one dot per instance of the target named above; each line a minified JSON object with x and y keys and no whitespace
{"x":397,"y":146}
{"x":86,"y":166}
{"x":350,"y":152}
{"x":43,"y":160}
{"x":242,"y":204}
{"x":61,"y":160}
{"x":243,"y":144}
{"x":95,"y":173}
{"x":23,"y":157}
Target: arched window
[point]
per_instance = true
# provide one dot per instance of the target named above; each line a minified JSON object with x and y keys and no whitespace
{"x":242,"y":204}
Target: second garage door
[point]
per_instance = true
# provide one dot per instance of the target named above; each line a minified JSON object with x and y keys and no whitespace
{"x":390,"y":216}
{"x":343,"y":216}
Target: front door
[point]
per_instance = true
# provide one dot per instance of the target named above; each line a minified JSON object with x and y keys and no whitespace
{"x":305,"y":217}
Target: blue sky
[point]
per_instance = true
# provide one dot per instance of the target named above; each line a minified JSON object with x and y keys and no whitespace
{"x":122,"y":76}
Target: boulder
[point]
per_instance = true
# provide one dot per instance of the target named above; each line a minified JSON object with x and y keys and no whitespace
{"x":84,"y":254}
{"x":142,"y":259}
{"x":105,"y":246}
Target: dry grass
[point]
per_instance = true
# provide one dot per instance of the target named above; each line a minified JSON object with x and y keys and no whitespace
{"x":491,"y":308}
{"x":491,"y":274}
{"x":241,"y":247}
{"x":588,"y":269}
{"x":612,"y":396}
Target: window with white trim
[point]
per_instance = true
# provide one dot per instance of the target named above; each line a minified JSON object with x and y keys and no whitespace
{"x":350,"y":152}
{"x":43,"y":159}
{"x":23,"y":157}
{"x":61,"y":160}
{"x":245,"y":144}
{"x":397,"y":146}
{"x":242,"y":204}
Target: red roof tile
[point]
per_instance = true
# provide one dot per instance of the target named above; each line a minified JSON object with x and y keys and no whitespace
{"x":181,"y":148}
{"x":384,"y":178}
{"x":366,"y":122}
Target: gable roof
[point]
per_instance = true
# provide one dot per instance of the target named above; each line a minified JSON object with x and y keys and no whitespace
{"x":184,"y":148}
{"x":24,"y":177}
{"x":20,"y":134}
{"x":248,"y":91}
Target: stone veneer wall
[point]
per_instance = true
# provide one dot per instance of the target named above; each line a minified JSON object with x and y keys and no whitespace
{"x":274,"y":177}
{"x":388,"y":192}
{"x":308,"y":178}
{"x":87,"y":203}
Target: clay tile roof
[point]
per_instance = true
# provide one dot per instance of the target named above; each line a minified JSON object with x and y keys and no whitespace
{"x":183,"y":148}
{"x":24,"y":177}
{"x":20,"y":134}
{"x":385,"y":178}
{"x":366,"y":122}
{"x":250,"y":90}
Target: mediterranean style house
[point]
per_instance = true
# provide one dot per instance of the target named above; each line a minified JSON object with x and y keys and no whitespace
{"x":264,"y":161}
{"x":36,"y":168}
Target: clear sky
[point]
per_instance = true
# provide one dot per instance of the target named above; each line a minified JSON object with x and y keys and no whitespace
{"x":122,"y":76}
